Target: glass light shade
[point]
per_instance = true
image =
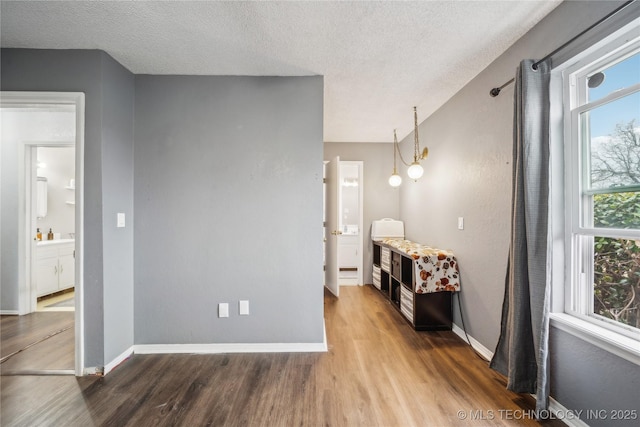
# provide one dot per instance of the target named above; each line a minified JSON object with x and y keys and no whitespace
{"x":415,"y":171}
{"x":395,"y":180}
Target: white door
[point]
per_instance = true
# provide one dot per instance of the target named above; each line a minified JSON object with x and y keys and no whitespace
{"x":332,"y":230}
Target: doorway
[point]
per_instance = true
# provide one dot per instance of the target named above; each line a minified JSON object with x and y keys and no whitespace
{"x":53,"y":268}
{"x":344,"y":195}
{"x":33,"y":121}
{"x":350,"y":224}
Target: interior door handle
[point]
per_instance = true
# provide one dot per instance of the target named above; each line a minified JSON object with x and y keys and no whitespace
{"x":336,"y":232}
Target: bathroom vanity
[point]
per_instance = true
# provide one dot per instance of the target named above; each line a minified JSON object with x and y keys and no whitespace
{"x":55,"y":266}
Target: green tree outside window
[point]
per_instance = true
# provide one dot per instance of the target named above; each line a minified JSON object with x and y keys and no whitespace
{"x":617,"y":261}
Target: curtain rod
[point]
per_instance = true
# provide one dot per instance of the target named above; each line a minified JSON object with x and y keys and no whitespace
{"x":496,"y":90}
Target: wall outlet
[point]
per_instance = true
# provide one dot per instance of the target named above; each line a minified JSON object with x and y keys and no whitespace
{"x":223,"y":309}
{"x":244,"y":308}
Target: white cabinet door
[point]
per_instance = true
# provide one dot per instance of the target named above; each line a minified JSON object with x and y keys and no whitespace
{"x":66,"y":267}
{"x":47,"y":275}
{"x":348,"y":251}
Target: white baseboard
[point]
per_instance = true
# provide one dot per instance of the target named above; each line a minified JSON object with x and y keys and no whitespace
{"x":221,"y":348}
{"x":230,"y":348}
{"x":9,"y":312}
{"x":118,"y":360}
{"x":565,"y":415}
{"x":482,"y":350}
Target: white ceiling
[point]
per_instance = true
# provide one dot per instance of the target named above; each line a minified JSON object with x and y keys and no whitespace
{"x":378,"y":59}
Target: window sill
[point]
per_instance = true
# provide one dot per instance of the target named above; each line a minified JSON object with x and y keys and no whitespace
{"x":620,"y":345}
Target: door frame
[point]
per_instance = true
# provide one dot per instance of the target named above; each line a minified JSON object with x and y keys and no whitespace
{"x":334,"y":216}
{"x":26,"y":290}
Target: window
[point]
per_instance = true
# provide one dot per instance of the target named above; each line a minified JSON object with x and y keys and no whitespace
{"x":601,"y":119}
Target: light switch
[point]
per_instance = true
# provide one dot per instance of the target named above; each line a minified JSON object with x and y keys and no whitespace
{"x":244,"y":308}
{"x":223,"y":309}
{"x":120,"y":221}
{"x":460,"y":223}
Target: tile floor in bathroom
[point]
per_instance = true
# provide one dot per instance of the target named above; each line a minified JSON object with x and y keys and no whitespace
{"x":44,"y":304}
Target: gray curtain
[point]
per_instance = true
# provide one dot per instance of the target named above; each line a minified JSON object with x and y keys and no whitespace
{"x":522,"y":351}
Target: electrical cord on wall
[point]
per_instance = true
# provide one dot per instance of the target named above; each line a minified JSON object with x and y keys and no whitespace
{"x":464,"y":329}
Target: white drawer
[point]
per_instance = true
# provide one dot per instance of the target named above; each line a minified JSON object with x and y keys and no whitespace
{"x":66,"y":249}
{"x":50,"y":252}
{"x":406,"y":303}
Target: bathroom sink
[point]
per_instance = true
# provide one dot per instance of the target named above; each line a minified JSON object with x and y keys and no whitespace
{"x":55,"y":242}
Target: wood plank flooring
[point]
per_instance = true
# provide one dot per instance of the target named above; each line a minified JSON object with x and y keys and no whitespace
{"x":55,"y":353}
{"x":377,"y":372}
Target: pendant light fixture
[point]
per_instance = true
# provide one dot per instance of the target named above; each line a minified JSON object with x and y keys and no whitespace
{"x":395,"y":179}
{"x":415,"y":170}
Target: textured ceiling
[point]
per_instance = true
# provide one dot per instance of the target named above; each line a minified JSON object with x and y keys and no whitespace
{"x":378,"y":59}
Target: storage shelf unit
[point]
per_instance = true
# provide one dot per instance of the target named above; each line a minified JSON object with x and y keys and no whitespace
{"x":393,"y":276}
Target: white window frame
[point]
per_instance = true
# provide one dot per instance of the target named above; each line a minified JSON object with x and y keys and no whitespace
{"x":572,"y":307}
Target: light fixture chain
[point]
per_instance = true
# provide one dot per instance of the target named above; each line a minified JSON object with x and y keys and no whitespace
{"x":397,"y":148}
{"x":395,"y":142}
{"x":416,"y":144}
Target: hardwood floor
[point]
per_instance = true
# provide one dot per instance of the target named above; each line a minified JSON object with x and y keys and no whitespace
{"x":377,"y":372}
{"x":54,"y":353}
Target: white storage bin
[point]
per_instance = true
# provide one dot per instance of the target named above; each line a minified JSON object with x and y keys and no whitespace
{"x":376,"y":276}
{"x":385,"y":259}
{"x":406,"y":303}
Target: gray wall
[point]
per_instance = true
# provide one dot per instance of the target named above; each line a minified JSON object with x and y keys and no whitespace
{"x":228,"y":199}
{"x":81,"y":71}
{"x":585,"y":377}
{"x":380,"y":200}
{"x":468,"y":173}
{"x":117,"y":196}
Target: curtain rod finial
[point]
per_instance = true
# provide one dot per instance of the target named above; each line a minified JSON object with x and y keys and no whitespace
{"x":494,"y":92}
